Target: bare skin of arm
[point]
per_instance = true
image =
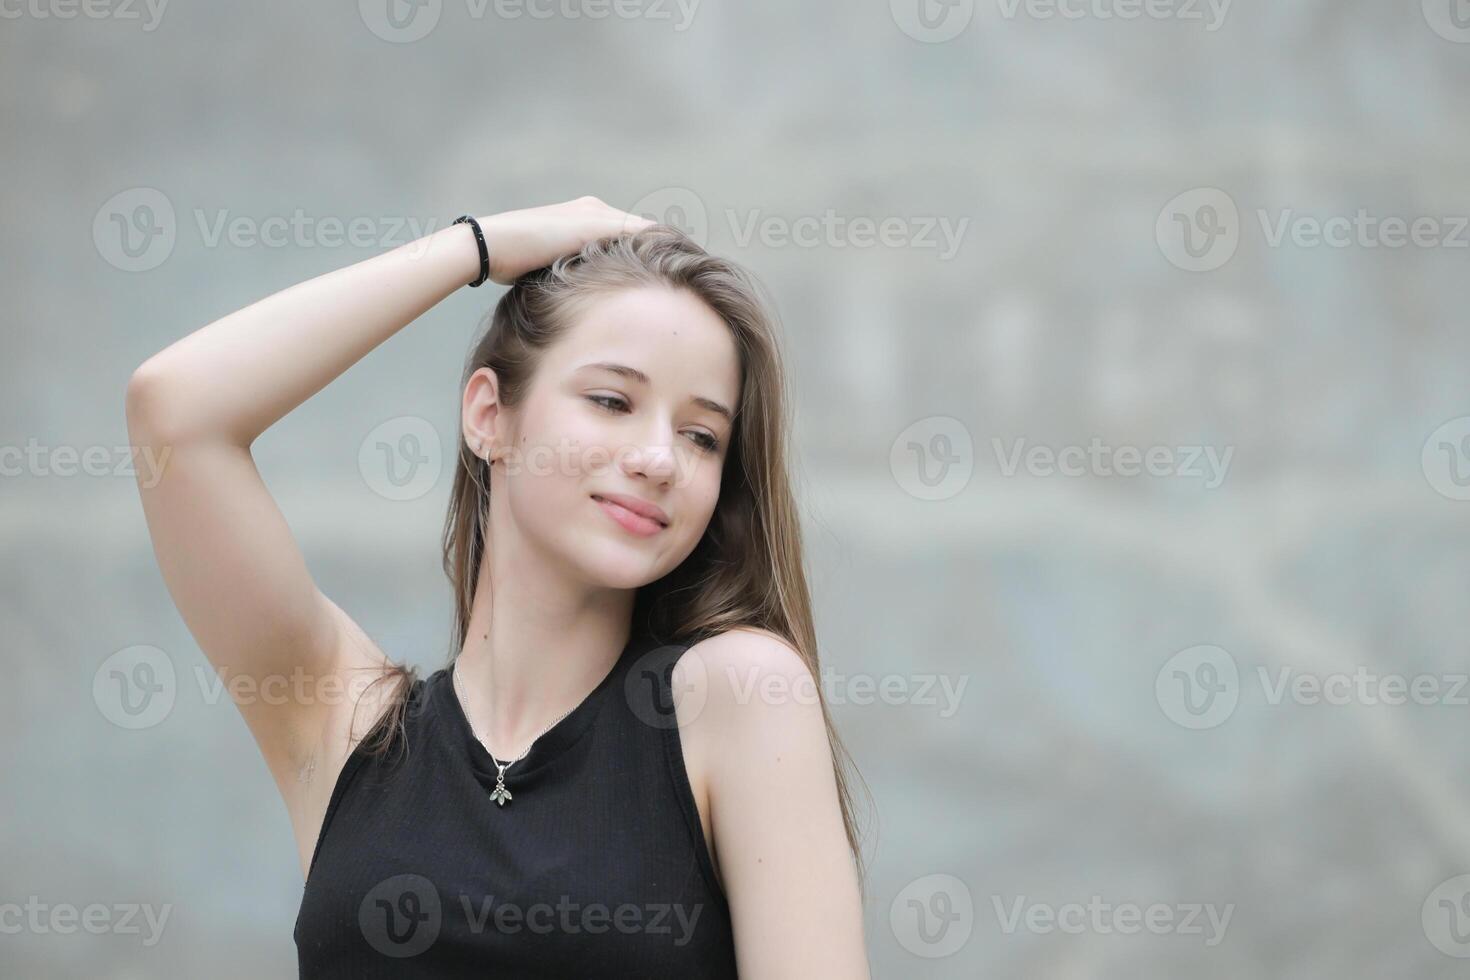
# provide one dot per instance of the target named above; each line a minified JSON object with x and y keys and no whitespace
{"x":223,"y":546}
{"x":768,"y":799}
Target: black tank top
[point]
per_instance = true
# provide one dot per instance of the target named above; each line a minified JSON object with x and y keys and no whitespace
{"x":596,"y":866}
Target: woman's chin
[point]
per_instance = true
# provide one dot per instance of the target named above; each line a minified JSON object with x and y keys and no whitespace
{"x":621,"y":567}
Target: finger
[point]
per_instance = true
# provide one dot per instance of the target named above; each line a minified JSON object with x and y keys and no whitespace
{"x":633,"y":222}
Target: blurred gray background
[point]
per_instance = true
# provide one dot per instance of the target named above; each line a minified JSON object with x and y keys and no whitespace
{"x":1128,"y":344}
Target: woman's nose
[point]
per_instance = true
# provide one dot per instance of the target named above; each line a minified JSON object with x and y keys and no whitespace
{"x":655,"y":460}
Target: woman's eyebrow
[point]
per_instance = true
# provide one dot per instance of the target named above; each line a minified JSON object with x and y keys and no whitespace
{"x":634,"y":374}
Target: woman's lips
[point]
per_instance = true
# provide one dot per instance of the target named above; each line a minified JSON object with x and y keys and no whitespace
{"x":635,"y":523}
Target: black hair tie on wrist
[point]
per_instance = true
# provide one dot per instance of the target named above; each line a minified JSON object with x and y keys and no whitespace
{"x":480,"y":241}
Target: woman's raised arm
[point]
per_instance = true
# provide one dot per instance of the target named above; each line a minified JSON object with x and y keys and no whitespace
{"x":224,"y":548}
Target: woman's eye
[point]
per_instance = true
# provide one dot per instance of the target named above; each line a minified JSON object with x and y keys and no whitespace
{"x":617,"y":403}
{"x":612,"y":403}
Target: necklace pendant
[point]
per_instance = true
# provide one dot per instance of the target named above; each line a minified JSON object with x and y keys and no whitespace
{"x":500,"y":794}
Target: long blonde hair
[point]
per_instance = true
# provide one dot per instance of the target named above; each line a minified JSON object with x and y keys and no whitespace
{"x":747,"y":570}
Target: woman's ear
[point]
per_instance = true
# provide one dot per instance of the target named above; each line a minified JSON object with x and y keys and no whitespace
{"x":481,"y":415}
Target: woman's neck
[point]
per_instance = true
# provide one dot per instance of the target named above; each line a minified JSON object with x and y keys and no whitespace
{"x":536,"y":645}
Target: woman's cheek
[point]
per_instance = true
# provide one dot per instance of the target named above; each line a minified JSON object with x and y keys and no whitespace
{"x":708,"y":496}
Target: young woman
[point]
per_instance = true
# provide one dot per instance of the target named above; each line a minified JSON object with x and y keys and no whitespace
{"x":627,"y":767}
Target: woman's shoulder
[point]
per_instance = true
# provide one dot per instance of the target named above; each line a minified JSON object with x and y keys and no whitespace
{"x":736,"y":679}
{"x":744,"y":699}
{"x":739,"y":651}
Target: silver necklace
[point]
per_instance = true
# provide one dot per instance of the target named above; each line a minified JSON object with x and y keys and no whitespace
{"x":500,"y":794}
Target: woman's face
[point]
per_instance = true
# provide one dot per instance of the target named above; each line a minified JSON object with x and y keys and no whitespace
{"x":629,"y":405}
